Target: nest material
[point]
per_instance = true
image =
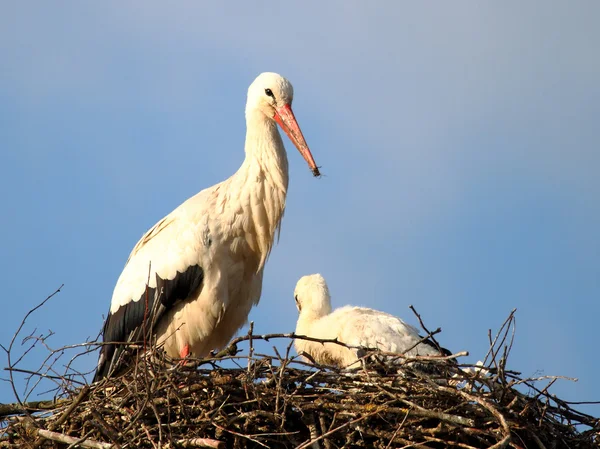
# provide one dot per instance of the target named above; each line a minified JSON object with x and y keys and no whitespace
{"x":274,"y":401}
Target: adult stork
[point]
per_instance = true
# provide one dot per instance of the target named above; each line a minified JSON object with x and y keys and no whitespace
{"x":357,"y":327}
{"x":191,"y":280}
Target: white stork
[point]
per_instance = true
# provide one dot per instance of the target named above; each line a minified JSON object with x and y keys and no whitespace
{"x":193,"y":278}
{"x":358,"y":327}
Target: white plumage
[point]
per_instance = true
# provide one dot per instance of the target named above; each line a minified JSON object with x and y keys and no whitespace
{"x":204,"y":261}
{"x":354,"y":326}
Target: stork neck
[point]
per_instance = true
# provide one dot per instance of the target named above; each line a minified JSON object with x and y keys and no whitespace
{"x":315,"y":312}
{"x":261,"y":184}
{"x":265,"y":151}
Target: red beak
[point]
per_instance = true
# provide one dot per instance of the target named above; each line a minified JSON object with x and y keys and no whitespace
{"x":284,"y":116}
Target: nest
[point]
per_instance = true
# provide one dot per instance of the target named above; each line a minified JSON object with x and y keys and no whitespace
{"x":242,"y":399}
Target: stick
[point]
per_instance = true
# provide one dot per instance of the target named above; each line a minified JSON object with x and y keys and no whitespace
{"x":12,"y":342}
{"x":62,"y":438}
{"x":19,"y":409}
{"x":429,"y":334}
{"x":200,"y":442}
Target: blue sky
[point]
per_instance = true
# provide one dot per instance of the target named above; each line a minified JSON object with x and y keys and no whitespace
{"x":459,"y":147}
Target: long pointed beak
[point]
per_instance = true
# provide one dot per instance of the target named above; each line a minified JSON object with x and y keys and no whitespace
{"x":284,"y":116}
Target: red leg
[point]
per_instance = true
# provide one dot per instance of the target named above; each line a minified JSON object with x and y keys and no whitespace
{"x":185,"y":352}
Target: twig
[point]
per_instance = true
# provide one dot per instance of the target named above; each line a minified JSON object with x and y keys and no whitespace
{"x":420,"y":358}
{"x":326,"y":441}
{"x":312,"y":430}
{"x":42,"y":375}
{"x":493,"y":342}
{"x":80,"y":440}
{"x":65,"y":415}
{"x":232,"y":347}
{"x":397,"y":430}
{"x":61,"y":438}
{"x":250,"y":345}
{"x":429,"y":334}
{"x":17,"y":408}
{"x":12,"y":342}
{"x":200,"y":442}
{"x":248,"y":437}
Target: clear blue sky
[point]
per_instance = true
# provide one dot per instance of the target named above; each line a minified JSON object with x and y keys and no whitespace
{"x":459,"y":146}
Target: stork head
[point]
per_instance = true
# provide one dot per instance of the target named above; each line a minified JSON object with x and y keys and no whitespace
{"x":271,"y":95}
{"x":312,"y":296}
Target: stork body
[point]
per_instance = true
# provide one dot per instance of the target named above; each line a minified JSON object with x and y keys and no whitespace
{"x":192,"y":279}
{"x":358,"y":327}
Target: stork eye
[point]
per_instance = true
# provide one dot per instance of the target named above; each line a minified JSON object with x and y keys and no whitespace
{"x":269,"y":93}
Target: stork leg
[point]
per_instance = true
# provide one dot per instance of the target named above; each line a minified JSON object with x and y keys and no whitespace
{"x":185,"y":352}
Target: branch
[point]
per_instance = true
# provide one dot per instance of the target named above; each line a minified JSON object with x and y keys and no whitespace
{"x":32,"y":406}
{"x":62,"y":438}
{"x":12,"y":342}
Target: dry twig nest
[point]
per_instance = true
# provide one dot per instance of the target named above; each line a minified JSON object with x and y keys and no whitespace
{"x":242,"y":399}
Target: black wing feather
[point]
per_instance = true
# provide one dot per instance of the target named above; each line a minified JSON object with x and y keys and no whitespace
{"x":127,"y":323}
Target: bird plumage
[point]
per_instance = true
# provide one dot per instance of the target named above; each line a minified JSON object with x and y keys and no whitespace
{"x":357,"y":327}
{"x":192,"y":279}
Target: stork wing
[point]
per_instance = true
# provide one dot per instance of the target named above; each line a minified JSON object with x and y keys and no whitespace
{"x":160,"y":271}
{"x":374,"y":329}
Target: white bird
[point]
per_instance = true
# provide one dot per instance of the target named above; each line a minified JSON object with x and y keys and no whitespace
{"x":192,"y":279}
{"x":358,"y":327}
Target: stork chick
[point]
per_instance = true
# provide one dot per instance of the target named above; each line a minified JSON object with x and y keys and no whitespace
{"x":358,"y":327}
